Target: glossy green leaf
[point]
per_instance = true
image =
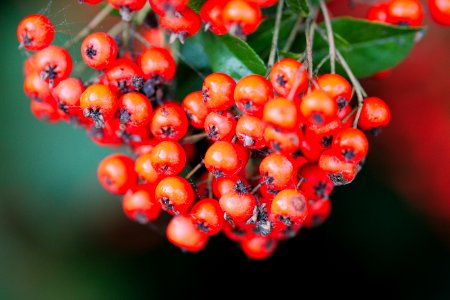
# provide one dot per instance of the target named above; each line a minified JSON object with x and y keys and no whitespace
{"x":298,"y":6}
{"x":196,"y":5}
{"x":232,"y":56}
{"x":368,"y":47}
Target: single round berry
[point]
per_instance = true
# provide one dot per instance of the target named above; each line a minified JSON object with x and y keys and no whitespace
{"x":134,"y":110}
{"x":252,"y":92}
{"x":318,"y":108}
{"x":45,"y":111}
{"x":318,"y":213}
{"x":144,"y":168}
{"x":164,"y":7}
{"x":99,"y":50}
{"x":168,"y":158}
{"x":238,"y":207}
{"x":99,"y":104}
{"x":175,"y":195}
{"x":316,"y":184}
{"x":226,"y":184}
{"x":221,"y":159}
{"x":241,"y":18}
{"x":67,"y":95}
{"x":184,"y":233}
{"x":158,"y":64}
{"x":217,"y":91}
{"x":375,"y":114}
{"x":259,"y":247}
{"x":289,"y":207}
{"x":208,"y":216}
{"x":169,"y":122}
{"x":282,"y":141}
{"x":337,"y":87}
{"x":250,"y":131}
{"x":211,"y":15}
{"x":220,"y":125}
{"x":405,"y":12}
{"x":440,"y":11}
{"x":281,"y":113}
{"x":289,"y":78}
{"x":116,"y":173}
{"x":54,"y":64}
{"x":339,"y":171}
{"x":182,"y":24}
{"x":124,"y":76}
{"x":277,"y":170}
{"x":36,"y":88}
{"x":351,"y":144}
{"x":195,"y":109}
{"x":140,"y":206}
{"x":35,"y":32}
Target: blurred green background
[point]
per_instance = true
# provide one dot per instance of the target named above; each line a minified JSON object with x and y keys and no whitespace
{"x":63,"y":237}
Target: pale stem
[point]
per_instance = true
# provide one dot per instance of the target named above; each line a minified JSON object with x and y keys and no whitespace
{"x":194,"y":138}
{"x":276,"y":32}
{"x":194,"y":170}
{"x":293,"y":34}
{"x":309,"y":34}
{"x":330,"y":36}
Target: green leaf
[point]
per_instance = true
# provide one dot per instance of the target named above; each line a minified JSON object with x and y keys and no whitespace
{"x":196,"y":5}
{"x":298,"y":6}
{"x":368,"y":47}
{"x":232,"y":56}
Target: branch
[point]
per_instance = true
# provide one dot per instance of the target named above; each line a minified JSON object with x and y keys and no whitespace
{"x":330,"y":36}
{"x":276,"y":32}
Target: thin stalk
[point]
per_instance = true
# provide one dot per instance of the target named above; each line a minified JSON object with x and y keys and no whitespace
{"x":91,"y":26}
{"x":292,"y":35}
{"x":194,"y":170}
{"x":309,"y":34}
{"x":276,"y":32}
{"x":330,"y":36}
{"x":194,"y":138}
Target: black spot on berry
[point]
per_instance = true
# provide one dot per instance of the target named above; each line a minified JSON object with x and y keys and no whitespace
{"x":91,"y":52}
{"x":320,"y":189}
{"x":281,"y":80}
{"x":326,"y":141}
{"x":348,"y":154}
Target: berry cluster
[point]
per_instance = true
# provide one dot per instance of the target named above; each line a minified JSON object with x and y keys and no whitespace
{"x":273,"y":147}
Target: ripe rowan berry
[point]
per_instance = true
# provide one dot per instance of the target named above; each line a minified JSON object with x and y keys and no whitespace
{"x":208,"y":216}
{"x":116,"y":173}
{"x":99,"y":50}
{"x":168,"y":158}
{"x":126,"y":7}
{"x":351,"y":144}
{"x":134,"y":110}
{"x":169,"y":122}
{"x":250,"y":131}
{"x":158,"y":65}
{"x":339,"y":171}
{"x":124,"y":76}
{"x":238,"y":207}
{"x":259,"y":247}
{"x":318,"y":213}
{"x":289,"y":207}
{"x":45,"y":111}
{"x":184,"y":233}
{"x":144,"y":168}
{"x":225,"y":184}
{"x":243,"y":155}
{"x":175,"y":195}
{"x":378,"y":13}
{"x":440,"y":11}
{"x":316,"y":184}
{"x":277,"y":171}
{"x":36,"y":88}
{"x":211,"y":15}
{"x":337,"y":87}
{"x":318,"y":108}
{"x":241,"y":18}
{"x":35,"y":32}
{"x":182,"y":24}
{"x":288,"y":74}
{"x":98,"y":103}
{"x":54,"y":64}
{"x":263,"y":3}
{"x":195,"y":109}
{"x":67,"y":95}
{"x":141,"y":206}
{"x":282,"y":141}
{"x":375,"y":114}
{"x":405,"y":12}
{"x":252,"y":92}
{"x":221,"y":159}
{"x":164,"y":7}
{"x":281,"y":113}
{"x":217,"y":91}
{"x":220,"y":125}
{"x":106,"y":136}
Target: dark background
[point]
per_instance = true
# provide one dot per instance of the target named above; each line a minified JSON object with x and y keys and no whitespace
{"x":63,"y":237}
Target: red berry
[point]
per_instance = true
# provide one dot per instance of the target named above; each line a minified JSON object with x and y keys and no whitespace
{"x":35,"y":32}
{"x":195,"y":109}
{"x":175,"y":195}
{"x":116,"y":173}
{"x":405,"y":12}
{"x":36,"y":88}
{"x":277,"y":171}
{"x":124,"y":76}
{"x":211,"y":15}
{"x":225,"y":184}
{"x":184,"y":233}
{"x":168,"y":158}
{"x":252,"y":93}
{"x":282,"y":141}
{"x":339,"y":171}
{"x":259,"y":247}
{"x":289,"y":207}
{"x":98,"y":103}
{"x":163,"y":7}
{"x":208,"y":216}
{"x":375,"y":114}
{"x":351,"y":144}
{"x":140,"y":205}
{"x":281,"y":113}
{"x":182,"y":24}
{"x":222,"y":158}
{"x":288,"y":74}
{"x":45,"y":111}
{"x":143,"y":167}
{"x":158,"y":64}
{"x":106,"y":136}
{"x":250,"y":131}
{"x":440,"y":11}
{"x":238,"y":207}
{"x":134,"y":109}
{"x":318,"y":108}
{"x":378,"y":13}
{"x":337,"y":87}
{"x":54,"y":64}
{"x":67,"y":95}
{"x":316,"y":184}
{"x":318,"y":213}
{"x":127,"y":6}
{"x":99,"y":50}
{"x":217,"y":91}
{"x":220,"y":125}
{"x":241,"y":18}
{"x":263,"y":3}
{"x":169,"y":122}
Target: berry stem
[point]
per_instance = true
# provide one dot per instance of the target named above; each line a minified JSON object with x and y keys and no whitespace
{"x":194,"y":170}
{"x":194,"y":138}
{"x":257,"y":187}
{"x":330,"y":36}
{"x":209,"y":185}
{"x":276,"y":32}
{"x":321,"y":63}
{"x":90,"y":26}
{"x":309,"y":34}
{"x":293,"y":34}
{"x":299,"y":183}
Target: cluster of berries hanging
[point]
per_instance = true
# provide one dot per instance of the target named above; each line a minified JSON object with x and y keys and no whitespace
{"x":273,"y":148}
